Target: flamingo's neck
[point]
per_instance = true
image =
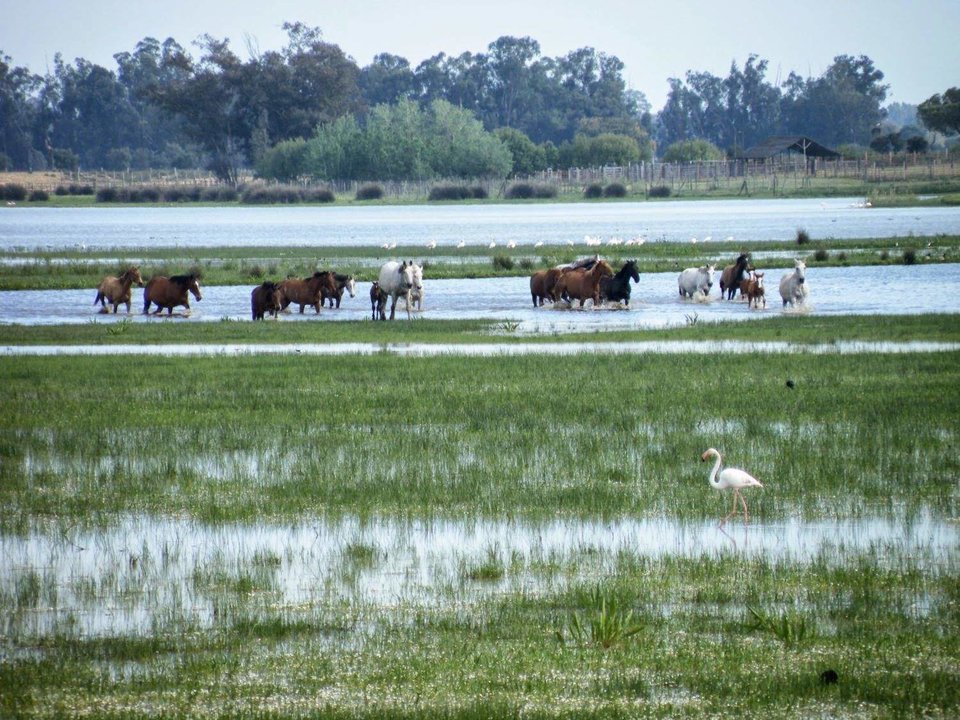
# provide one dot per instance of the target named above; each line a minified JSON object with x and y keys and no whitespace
{"x":713,"y":473}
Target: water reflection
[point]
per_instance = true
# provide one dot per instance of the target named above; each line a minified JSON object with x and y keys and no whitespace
{"x":130,"y":577}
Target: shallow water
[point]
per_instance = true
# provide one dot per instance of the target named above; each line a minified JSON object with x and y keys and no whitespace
{"x":476,"y":225}
{"x":859,"y":290}
{"x":142,"y":572}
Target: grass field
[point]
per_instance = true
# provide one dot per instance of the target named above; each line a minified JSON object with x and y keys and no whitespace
{"x":261,"y":536}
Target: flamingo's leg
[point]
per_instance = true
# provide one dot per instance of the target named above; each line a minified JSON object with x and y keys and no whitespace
{"x":732,"y":512}
{"x":746,"y":518}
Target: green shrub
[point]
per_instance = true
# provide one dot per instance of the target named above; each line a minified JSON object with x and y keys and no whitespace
{"x":520,"y":191}
{"x":803,"y":237}
{"x":39,"y":196}
{"x":615,"y":190}
{"x":821,"y":255}
{"x":593,"y":191}
{"x":909,"y":257}
{"x":370,"y":191}
{"x":478,"y":192}
{"x":319,"y":195}
{"x":108,"y":194}
{"x":502,"y":262}
{"x":13,"y":191}
{"x":61,"y":191}
{"x":659,"y":191}
{"x":448,"y":192}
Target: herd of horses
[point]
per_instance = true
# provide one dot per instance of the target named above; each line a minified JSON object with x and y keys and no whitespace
{"x":396,"y":280}
{"x":586,"y":279}
{"x":594,"y":279}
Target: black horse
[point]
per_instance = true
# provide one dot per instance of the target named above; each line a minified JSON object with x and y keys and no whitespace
{"x":617,"y":288}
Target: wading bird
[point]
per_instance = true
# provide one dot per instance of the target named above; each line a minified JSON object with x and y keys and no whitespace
{"x":730,"y":478}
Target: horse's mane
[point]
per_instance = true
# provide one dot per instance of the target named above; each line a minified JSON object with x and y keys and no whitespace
{"x":183,"y":280}
{"x":625,"y":270}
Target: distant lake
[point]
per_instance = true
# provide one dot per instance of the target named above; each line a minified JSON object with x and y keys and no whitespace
{"x":476,"y":225}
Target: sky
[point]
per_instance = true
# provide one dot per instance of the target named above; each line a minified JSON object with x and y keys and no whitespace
{"x":916,"y":44}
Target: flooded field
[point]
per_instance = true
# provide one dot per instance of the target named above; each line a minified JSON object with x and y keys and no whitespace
{"x":130,"y":578}
{"x":861,"y":290}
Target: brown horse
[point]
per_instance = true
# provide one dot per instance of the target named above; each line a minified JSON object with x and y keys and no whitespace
{"x":378,"y":302}
{"x":264,"y":299}
{"x":543,"y":284}
{"x":341,"y":283}
{"x":116,"y":290}
{"x":733,"y":275}
{"x":582,"y":284}
{"x":169,"y":292}
{"x":307,"y":291}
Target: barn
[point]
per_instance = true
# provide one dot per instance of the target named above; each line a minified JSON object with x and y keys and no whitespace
{"x":783,"y":146}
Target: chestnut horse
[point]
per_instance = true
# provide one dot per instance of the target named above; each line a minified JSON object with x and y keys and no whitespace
{"x":582,"y":284}
{"x":543,"y":285}
{"x":116,"y":290}
{"x":307,"y":291}
{"x":169,"y":292}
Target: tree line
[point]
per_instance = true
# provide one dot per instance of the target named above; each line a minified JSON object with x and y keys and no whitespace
{"x":308,"y":109}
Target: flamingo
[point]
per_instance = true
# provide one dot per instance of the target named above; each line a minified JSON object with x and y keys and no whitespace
{"x":730,"y":478}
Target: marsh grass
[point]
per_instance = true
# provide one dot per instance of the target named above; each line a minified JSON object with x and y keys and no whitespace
{"x":293,"y":442}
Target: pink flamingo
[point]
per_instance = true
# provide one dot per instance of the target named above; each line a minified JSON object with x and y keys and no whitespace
{"x":730,"y":478}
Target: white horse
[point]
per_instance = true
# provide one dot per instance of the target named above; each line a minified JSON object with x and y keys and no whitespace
{"x":793,"y":287}
{"x":694,"y":279}
{"x":416,"y":292}
{"x":398,"y":279}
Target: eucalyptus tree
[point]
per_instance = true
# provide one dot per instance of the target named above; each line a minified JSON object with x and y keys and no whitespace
{"x":17,"y":113}
{"x":942,"y":112}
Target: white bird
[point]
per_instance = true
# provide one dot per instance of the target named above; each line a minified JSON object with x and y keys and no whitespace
{"x":392,"y":245}
{"x":512,"y":244}
{"x":538,"y":243}
{"x":570,"y":243}
{"x":462,"y":244}
{"x":432,"y":244}
{"x":730,"y":478}
{"x":493,"y":244}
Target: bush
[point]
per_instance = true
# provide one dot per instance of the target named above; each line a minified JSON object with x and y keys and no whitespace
{"x":107,"y":194}
{"x":274,"y":195}
{"x":75,"y":189}
{"x":150,"y":194}
{"x":61,"y":191}
{"x":39,"y":196}
{"x":478,"y":192}
{"x":909,"y":257}
{"x":615,"y":190}
{"x":593,"y":191}
{"x":448,"y":192}
{"x":502,"y":262}
{"x":13,"y":191}
{"x":370,"y":191}
{"x":821,"y":255}
{"x":803,"y":237}
{"x":527,"y":191}
{"x":227,"y":194}
{"x":319,"y":195}
{"x":659,"y":191}
{"x":173,"y":194}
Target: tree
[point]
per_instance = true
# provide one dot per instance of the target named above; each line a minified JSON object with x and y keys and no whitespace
{"x":692,"y":151}
{"x":942,"y":112}
{"x":386,"y":80}
{"x":17,"y":112}
{"x":527,"y":157}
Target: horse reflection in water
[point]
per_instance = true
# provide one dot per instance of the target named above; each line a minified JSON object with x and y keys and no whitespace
{"x":170,"y":292}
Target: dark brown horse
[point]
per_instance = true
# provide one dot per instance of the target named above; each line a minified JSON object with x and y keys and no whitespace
{"x":307,"y":291}
{"x":582,"y":284}
{"x":733,"y":275}
{"x":264,"y":299}
{"x":341,"y":283}
{"x":169,"y":292}
{"x":378,"y":302}
{"x":116,"y":290}
{"x":543,"y":284}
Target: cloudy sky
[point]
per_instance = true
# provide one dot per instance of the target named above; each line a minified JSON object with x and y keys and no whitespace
{"x":915,"y":43}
